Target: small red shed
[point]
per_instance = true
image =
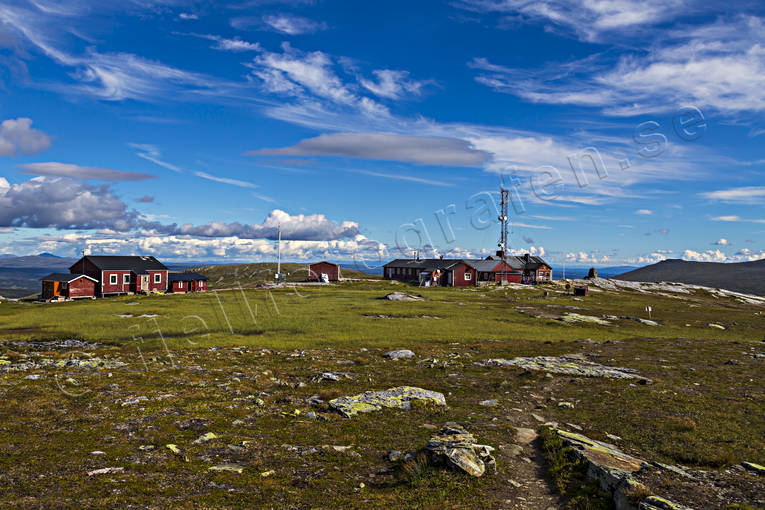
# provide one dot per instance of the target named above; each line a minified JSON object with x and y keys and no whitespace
{"x":187,"y":282}
{"x":317,"y":269}
{"x":68,"y":286}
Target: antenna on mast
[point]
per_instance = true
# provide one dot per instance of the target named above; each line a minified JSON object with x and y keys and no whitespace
{"x":504,"y":238}
{"x":279,"y":253}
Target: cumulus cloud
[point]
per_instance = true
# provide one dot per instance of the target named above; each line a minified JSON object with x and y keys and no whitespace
{"x":82,"y":172}
{"x":706,"y":256}
{"x":18,"y":136}
{"x":385,"y":146}
{"x":292,"y":25}
{"x":46,"y":202}
{"x":722,"y":242}
{"x":743,"y":195}
{"x":314,"y":227}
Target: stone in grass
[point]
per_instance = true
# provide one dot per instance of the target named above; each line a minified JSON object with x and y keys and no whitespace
{"x":489,"y":403}
{"x":457,"y":448}
{"x":657,"y":503}
{"x":716,"y":326}
{"x":400,"y":398}
{"x":755,"y":468}
{"x":106,"y":471}
{"x":399,"y":354}
{"x":400,"y":296}
{"x":233,"y":468}
{"x":195,"y":424}
{"x":209,"y":436}
{"x":567,"y":365}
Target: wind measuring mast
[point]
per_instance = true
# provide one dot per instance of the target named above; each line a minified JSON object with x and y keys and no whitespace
{"x":503,"y":245}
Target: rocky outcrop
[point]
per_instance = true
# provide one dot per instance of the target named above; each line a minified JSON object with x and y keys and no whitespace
{"x":614,"y":471}
{"x":400,"y":296}
{"x":399,"y":354}
{"x":400,"y":398}
{"x":455,"y":447}
{"x":568,"y":365}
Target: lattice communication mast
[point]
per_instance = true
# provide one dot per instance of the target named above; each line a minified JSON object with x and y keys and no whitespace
{"x":504,"y":238}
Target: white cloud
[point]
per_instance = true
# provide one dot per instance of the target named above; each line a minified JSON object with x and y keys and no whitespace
{"x":399,"y":177}
{"x":644,"y":212}
{"x":706,"y":256}
{"x":225,"y":180}
{"x":82,"y":172}
{"x":719,"y":66}
{"x":385,"y":146}
{"x":45,"y":202}
{"x":590,"y":20}
{"x":392,"y":84}
{"x":722,"y":242}
{"x":737,"y":219}
{"x":292,"y":25}
{"x":188,"y":16}
{"x":744,"y":195}
{"x":236,"y":44}
{"x":152,"y":153}
{"x":18,"y":136}
{"x":314,"y":227}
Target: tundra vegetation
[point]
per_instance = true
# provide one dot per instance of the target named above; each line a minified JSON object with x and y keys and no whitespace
{"x":222,"y":399}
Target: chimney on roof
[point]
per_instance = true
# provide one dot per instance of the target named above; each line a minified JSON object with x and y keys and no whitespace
{"x":526,"y":258}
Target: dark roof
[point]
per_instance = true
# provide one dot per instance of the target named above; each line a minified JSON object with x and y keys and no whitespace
{"x":425,"y":264}
{"x":483,"y":265}
{"x":64,"y":277}
{"x":185,"y":277}
{"x":136,"y":264}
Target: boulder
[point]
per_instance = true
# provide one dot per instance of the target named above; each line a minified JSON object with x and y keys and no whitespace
{"x":657,"y":503}
{"x":399,"y":354}
{"x":400,"y":398}
{"x":457,"y":448}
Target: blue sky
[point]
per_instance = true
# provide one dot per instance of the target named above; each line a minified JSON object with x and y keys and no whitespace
{"x":627,"y":131}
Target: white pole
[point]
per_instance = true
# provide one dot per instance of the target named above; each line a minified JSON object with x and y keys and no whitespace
{"x":279,"y":251}
{"x":564,"y":265}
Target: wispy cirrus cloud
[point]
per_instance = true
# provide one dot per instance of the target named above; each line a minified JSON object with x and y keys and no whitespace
{"x":392,"y":84}
{"x":744,"y":195}
{"x":225,"y":180}
{"x":56,"y":169}
{"x":720,"y":65}
{"x":229,"y":44}
{"x":293,"y":25}
{"x":152,"y":153}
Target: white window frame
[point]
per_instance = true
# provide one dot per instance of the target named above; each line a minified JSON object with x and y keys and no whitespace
{"x":180,"y":285}
{"x":113,"y":279}
{"x":126,"y":279}
{"x":468,"y":276}
{"x":157,"y":277}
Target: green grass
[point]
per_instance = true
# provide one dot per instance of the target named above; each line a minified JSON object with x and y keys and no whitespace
{"x":699,"y":410}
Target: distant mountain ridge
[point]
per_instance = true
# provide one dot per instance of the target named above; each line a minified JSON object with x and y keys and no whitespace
{"x":746,"y":277}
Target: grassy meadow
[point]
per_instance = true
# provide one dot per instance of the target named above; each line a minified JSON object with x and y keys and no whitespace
{"x":244,"y":360}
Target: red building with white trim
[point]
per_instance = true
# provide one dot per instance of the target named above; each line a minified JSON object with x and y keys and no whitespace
{"x":123,"y":274}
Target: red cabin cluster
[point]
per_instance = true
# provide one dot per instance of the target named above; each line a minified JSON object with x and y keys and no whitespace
{"x":466,"y":272}
{"x":105,"y":275}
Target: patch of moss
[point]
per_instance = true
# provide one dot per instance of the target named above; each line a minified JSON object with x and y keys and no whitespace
{"x":569,"y":474}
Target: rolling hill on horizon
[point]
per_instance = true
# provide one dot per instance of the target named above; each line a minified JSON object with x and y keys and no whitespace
{"x":746,"y":277}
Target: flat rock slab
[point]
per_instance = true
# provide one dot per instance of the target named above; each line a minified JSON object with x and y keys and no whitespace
{"x":399,"y":354}
{"x":568,"y":365}
{"x":576,"y":317}
{"x":599,"y":453}
{"x":400,"y":296}
{"x":400,"y":398}
{"x":657,"y":503}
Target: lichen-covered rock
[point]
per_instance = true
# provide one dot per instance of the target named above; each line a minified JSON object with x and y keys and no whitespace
{"x":657,"y":503}
{"x":569,"y":365}
{"x":400,"y":397}
{"x":576,"y":317}
{"x":456,"y":447}
{"x":44,"y":363}
{"x":755,"y":468}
